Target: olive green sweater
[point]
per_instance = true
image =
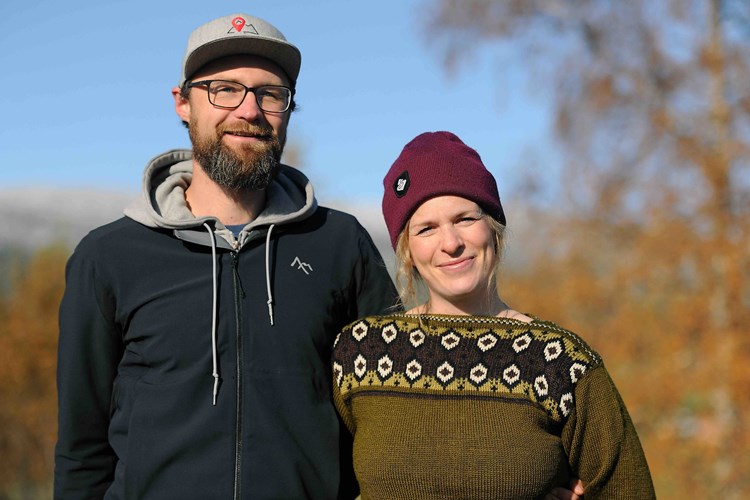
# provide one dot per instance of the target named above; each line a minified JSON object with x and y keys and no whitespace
{"x":482,"y":408}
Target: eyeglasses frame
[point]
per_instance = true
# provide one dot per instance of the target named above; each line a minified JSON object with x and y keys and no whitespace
{"x":207,"y":84}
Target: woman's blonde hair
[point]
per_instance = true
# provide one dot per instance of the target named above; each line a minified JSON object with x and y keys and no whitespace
{"x":408,"y":279}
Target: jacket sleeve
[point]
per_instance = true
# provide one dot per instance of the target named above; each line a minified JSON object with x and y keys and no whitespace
{"x":602,"y":444}
{"x":375,"y":293}
{"x":89,"y":350}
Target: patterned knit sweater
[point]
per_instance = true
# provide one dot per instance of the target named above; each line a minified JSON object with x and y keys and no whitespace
{"x":482,"y":408}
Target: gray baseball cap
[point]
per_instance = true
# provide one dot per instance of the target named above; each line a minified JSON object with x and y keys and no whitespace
{"x":239,"y":34}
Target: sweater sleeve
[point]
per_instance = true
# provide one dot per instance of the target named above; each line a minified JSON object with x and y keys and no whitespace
{"x":601,"y":442}
{"x":342,"y":407}
{"x":375,"y":294}
{"x":371,"y":293}
{"x":340,"y":349}
{"x":89,"y":350}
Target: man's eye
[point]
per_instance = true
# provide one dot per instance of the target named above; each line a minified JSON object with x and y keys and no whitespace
{"x":270,"y":94}
{"x":225,"y":89}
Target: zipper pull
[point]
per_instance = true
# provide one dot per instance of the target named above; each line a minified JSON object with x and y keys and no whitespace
{"x":235,"y":268}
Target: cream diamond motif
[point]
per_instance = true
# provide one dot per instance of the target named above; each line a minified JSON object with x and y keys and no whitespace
{"x":385,"y":366}
{"x":487,"y":342}
{"x":445,"y":372}
{"x":359,"y":331}
{"x":553,"y":350}
{"x":478,"y":374}
{"x":540,"y":385}
{"x":511,"y":374}
{"x":360,"y":366}
{"x":522,"y":342}
{"x":566,"y":404}
{"x":417,"y":338}
{"x":389,"y":334}
{"x":413,"y":370}
{"x":450,"y":341}
{"x":338,"y":371}
{"x":576,"y":370}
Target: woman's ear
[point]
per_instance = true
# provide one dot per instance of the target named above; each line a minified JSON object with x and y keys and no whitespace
{"x":407,"y":257}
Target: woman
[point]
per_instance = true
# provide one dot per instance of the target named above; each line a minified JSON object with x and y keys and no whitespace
{"x":461,"y":396}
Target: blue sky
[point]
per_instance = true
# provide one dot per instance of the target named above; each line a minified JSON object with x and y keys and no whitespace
{"x":86,"y":92}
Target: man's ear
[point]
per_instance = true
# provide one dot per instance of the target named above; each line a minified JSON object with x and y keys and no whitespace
{"x":181,"y":105}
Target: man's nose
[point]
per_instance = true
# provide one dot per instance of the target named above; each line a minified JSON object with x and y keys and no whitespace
{"x":248,"y":108}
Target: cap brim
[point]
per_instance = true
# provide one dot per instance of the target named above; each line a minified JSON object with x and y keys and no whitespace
{"x":287,"y":56}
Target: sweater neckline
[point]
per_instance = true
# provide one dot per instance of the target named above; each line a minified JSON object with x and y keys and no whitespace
{"x":467,"y":318}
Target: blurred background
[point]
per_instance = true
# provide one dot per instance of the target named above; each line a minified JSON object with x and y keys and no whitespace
{"x":619,"y":133}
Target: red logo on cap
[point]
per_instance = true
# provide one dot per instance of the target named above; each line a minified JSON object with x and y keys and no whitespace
{"x":238,"y":24}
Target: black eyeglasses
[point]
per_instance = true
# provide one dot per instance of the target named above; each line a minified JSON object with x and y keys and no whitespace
{"x":229,"y":95}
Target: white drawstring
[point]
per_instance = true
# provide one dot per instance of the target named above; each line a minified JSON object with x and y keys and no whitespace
{"x":215,"y":361}
{"x":268,"y":273}
{"x":214,"y":354}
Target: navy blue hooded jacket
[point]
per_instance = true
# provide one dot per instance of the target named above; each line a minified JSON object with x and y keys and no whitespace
{"x":194,"y":365}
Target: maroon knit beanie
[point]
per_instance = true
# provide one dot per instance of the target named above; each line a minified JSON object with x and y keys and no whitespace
{"x":436,"y":164}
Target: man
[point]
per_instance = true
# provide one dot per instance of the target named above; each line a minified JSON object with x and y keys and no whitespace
{"x":195,"y":332}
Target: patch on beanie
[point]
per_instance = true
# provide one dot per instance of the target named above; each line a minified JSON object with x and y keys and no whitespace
{"x":401,"y":186}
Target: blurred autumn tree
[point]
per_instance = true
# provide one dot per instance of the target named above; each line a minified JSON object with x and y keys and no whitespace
{"x":28,"y":349}
{"x":647,"y":252}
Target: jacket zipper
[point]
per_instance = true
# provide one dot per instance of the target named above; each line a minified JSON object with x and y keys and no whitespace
{"x":238,"y":294}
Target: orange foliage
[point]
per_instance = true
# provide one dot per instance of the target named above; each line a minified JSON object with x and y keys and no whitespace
{"x":28,"y":351}
{"x":644,"y":303}
{"x":638,"y":295}
{"x":647,"y":253}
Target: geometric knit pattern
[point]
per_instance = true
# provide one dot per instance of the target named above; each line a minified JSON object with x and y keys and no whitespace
{"x":537,"y":363}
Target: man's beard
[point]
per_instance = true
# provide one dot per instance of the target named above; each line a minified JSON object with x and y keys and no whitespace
{"x":252,"y":168}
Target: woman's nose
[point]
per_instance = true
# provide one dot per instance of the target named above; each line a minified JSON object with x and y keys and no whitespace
{"x":451,"y":240}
